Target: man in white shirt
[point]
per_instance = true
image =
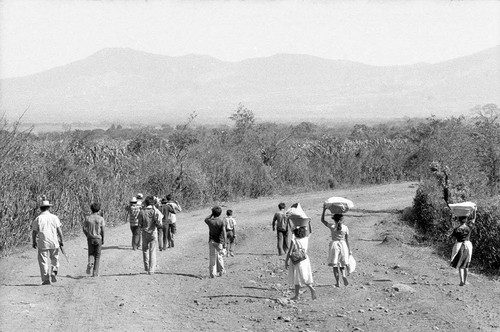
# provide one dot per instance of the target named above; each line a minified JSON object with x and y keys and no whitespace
{"x":47,"y":238}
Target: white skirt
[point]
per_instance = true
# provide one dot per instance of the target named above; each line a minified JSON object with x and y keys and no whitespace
{"x":338,"y":254}
{"x":301,"y":273}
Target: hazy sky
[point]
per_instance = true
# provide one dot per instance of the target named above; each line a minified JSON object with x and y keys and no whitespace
{"x":38,"y":35}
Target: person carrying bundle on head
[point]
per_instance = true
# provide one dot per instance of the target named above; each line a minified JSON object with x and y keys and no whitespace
{"x":339,"y":250}
{"x":462,"y":249}
{"x":300,"y":271}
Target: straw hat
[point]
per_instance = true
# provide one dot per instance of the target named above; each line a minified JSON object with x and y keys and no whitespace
{"x":133,"y":200}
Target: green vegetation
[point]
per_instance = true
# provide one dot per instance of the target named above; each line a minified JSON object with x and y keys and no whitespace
{"x":201,"y":165}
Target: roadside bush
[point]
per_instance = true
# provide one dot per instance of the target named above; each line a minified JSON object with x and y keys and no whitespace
{"x":430,"y":214}
{"x":486,"y":235}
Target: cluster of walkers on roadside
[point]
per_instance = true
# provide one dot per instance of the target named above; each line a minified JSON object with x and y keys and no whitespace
{"x":153,"y":222}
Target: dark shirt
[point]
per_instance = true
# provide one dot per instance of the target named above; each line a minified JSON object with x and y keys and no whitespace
{"x":216,"y":229}
{"x":461,"y":233}
{"x":93,"y":226}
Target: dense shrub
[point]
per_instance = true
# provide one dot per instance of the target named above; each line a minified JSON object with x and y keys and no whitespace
{"x":486,"y":235}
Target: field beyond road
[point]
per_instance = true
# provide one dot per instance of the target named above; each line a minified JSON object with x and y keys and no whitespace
{"x":396,"y":287}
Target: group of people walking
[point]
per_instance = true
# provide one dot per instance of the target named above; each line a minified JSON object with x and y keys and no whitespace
{"x":153,"y":221}
{"x":221,"y":240}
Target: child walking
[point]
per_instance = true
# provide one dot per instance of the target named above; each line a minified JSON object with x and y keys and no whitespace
{"x":230,"y":232}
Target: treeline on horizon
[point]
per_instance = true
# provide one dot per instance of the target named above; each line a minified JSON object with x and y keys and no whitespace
{"x":201,"y":165}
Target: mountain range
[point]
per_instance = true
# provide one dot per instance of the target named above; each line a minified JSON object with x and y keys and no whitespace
{"x":128,"y":86}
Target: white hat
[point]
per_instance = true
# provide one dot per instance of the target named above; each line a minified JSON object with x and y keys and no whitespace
{"x":133,"y":200}
{"x":139,"y":196}
{"x":45,"y":202}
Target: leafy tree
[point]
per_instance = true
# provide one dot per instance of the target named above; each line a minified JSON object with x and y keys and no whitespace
{"x":244,"y":121}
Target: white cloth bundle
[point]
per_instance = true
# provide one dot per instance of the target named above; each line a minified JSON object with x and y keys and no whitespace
{"x":338,"y":205}
{"x":297,"y":216}
{"x":463,"y":209}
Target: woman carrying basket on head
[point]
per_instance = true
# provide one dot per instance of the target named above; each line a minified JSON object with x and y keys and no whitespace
{"x":300,"y":273}
{"x":339,"y":249}
{"x":462,"y":249}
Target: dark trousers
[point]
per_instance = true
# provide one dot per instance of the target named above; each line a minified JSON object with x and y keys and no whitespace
{"x":95,"y":246}
{"x":162,"y":236}
{"x":230,"y":239}
{"x":282,"y":242}
{"x":172,"y":229}
{"x":136,"y":237}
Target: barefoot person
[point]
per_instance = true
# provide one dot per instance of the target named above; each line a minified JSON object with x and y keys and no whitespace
{"x":47,"y":238}
{"x":300,"y":274}
{"x":93,"y":228}
{"x":462,"y":250}
{"x":339,"y":249}
{"x":217,"y":240}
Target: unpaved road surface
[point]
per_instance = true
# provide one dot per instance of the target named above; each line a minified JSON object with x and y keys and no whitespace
{"x":254,"y":294}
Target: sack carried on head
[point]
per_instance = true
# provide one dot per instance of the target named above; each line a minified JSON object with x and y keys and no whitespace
{"x":338,"y":205}
{"x":298,"y":254}
{"x":297,"y":216}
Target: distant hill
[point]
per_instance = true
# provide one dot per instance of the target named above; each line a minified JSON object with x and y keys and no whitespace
{"x":127,"y":86}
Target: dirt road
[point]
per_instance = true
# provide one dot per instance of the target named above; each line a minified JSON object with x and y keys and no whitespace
{"x":395,"y":287}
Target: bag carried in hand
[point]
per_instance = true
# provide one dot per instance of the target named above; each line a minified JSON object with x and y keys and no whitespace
{"x":298,"y":254}
{"x":351,"y":264}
